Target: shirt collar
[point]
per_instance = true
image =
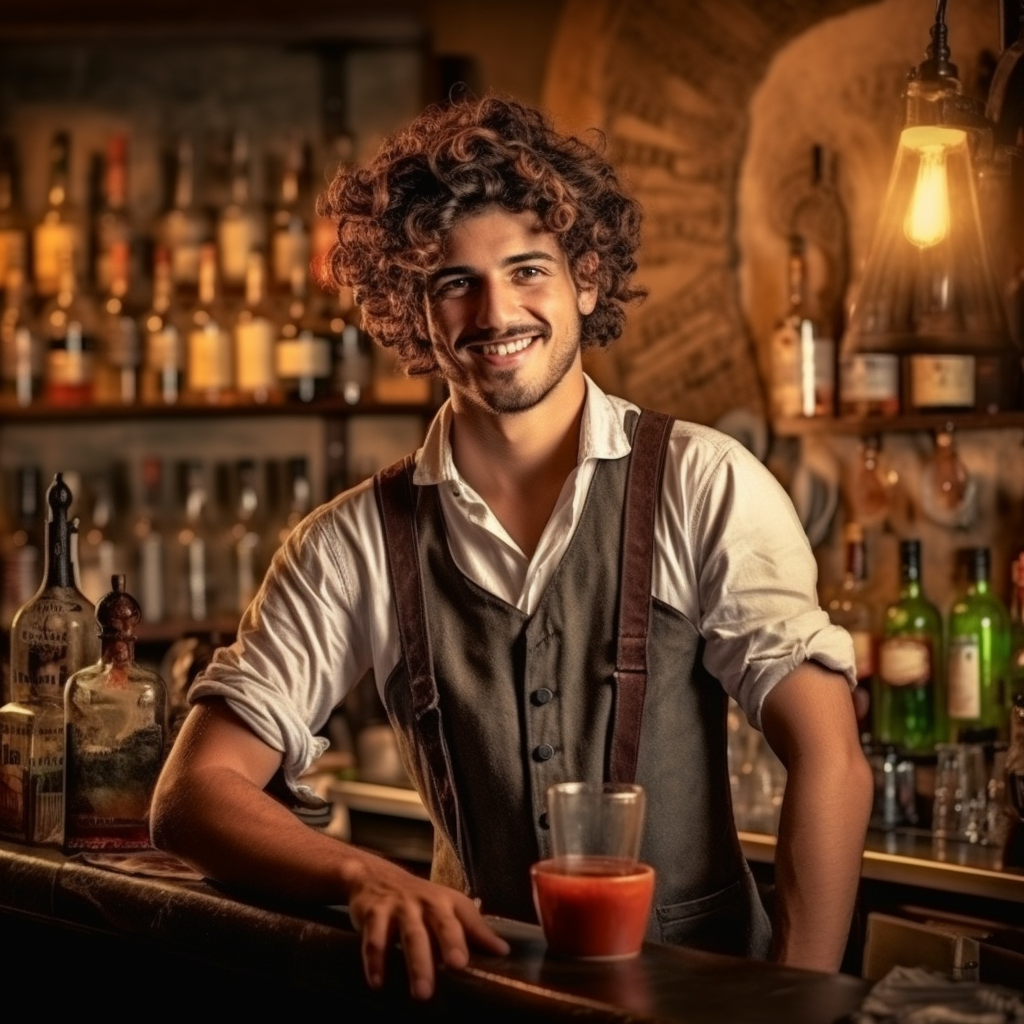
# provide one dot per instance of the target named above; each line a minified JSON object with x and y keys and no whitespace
{"x":602,"y":436}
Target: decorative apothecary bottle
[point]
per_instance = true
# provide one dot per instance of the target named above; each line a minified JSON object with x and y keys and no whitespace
{"x":115,"y":713}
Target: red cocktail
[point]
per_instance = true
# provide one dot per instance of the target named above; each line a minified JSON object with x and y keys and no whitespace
{"x":593,"y":907}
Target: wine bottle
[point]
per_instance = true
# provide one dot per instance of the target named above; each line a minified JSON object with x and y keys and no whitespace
{"x":163,"y":369}
{"x":116,"y":719}
{"x":979,"y":651}
{"x":112,"y":225}
{"x":907,"y":691}
{"x":59,"y":230}
{"x":184,"y":227}
{"x":241,"y":227}
{"x":302,"y":355}
{"x":150,"y":548}
{"x":120,"y":345}
{"x":13,"y":225}
{"x":209,"y":372}
{"x":290,"y":240}
{"x":21,"y":347}
{"x":70,"y":323}
{"x":52,"y":637}
{"x":255,"y":333}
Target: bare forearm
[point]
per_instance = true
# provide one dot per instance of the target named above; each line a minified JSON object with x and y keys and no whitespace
{"x":817,"y":861}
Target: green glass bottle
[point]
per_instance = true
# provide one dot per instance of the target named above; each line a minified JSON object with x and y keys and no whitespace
{"x":979,"y":652}
{"x":907,"y":688}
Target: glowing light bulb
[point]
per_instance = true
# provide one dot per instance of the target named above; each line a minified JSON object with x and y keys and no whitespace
{"x":927,"y":220}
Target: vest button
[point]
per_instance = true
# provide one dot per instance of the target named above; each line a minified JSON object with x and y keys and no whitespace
{"x":541,"y":696}
{"x":544,"y":752}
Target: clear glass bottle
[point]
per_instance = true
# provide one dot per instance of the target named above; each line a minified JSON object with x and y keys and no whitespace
{"x":255,"y":333}
{"x":112,"y":224}
{"x":69,"y":322}
{"x":194,"y":571}
{"x":150,"y":545}
{"x":13,"y":224}
{"x":850,"y":606}
{"x":59,"y":230}
{"x":979,"y":651}
{"x":290,"y":239}
{"x":302,"y":355}
{"x":242,"y":225}
{"x":21,"y":347}
{"x":117,"y":373}
{"x":244,"y":540}
{"x":116,"y":718}
{"x":803,"y":365}
{"x":184,"y":227}
{"x":101,"y":544}
{"x":209,"y":371}
{"x":908,"y":687}
{"x":163,"y":366}
{"x":52,"y":637}
{"x":299,"y":497}
{"x":353,"y":364}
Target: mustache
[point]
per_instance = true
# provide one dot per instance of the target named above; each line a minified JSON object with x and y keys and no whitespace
{"x":511,"y":333}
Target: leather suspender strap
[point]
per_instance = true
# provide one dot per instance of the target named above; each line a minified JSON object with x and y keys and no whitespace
{"x":650,"y":442}
{"x":393,"y":488}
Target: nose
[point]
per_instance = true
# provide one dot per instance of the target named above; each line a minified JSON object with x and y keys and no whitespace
{"x":495,"y":305}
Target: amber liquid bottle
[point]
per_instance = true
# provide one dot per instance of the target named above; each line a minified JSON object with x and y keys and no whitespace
{"x":116,"y":719}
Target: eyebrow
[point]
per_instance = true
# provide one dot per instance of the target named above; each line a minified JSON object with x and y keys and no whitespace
{"x":508,"y":261}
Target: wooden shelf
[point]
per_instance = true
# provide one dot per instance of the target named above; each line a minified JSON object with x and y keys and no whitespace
{"x":863,"y":426}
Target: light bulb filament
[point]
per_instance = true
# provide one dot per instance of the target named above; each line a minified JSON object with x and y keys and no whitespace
{"x":927,"y":221}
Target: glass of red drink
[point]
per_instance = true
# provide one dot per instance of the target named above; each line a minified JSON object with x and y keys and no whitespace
{"x":593,"y":895}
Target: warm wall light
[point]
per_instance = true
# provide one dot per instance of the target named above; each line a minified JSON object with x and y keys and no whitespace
{"x":929,"y":331}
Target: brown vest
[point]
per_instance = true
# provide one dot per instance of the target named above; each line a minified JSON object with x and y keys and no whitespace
{"x":492,"y":706}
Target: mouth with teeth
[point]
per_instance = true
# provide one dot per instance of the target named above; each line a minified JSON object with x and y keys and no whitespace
{"x":505,"y":348}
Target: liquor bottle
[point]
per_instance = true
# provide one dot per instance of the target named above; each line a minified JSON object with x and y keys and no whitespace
{"x":116,"y":718}
{"x":802,"y":353}
{"x":255,"y":333}
{"x":101,"y":545}
{"x":241,"y":227}
{"x":290,"y":240}
{"x":194,"y":573}
{"x":13,"y":225}
{"x":163,"y":366}
{"x":22,"y":546}
{"x":353,"y":365}
{"x":116,"y":378}
{"x":849,"y":606}
{"x":244,"y":541}
{"x":302,"y":357}
{"x":184,"y":227}
{"x":21,"y":347}
{"x":59,"y":231}
{"x":69,"y":322}
{"x":208,"y":373}
{"x":112,"y":224}
{"x":150,"y":549}
{"x":907,"y":691}
{"x":979,"y":651}
{"x":52,"y":637}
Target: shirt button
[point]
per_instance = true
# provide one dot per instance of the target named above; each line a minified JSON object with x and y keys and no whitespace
{"x":544,"y":752}
{"x":542,"y":696}
{"x":543,"y":821}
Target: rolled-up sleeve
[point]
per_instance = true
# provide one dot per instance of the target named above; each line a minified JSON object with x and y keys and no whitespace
{"x":756,"y":602}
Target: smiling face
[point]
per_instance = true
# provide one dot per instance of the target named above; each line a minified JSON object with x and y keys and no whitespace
{"x":504,"y":313}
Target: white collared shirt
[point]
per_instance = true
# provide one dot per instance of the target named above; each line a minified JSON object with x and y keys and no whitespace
{"x":730,"y":555}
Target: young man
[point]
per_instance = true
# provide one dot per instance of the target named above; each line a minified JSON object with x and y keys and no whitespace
{"x":482,"y":584}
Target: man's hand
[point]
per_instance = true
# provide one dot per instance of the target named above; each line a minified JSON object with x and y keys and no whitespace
{"x":211,"y":810}
{"x":424,"y":918}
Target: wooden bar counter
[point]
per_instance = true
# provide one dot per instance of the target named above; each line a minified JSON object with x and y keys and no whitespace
{"x":193,"y":946}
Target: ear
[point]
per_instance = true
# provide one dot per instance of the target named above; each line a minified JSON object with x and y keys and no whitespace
{"x":586,"y":283}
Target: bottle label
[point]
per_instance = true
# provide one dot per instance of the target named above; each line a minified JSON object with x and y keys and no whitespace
{"x":32,"y":774}
{"x":786,"y":371}
{"x":304,"y":356}
{"x":21,"y":356}
{"x":942,"y":382}
{"x":68,"y":367}
{"x":254,"y":354}
{"x":871,"y":378}
{"x":905,"y":661}
{"x":237,"y":237}
{"x":51,"y":240}
{"x":209,"y":359}
{"x":163,"y":349}
{"x":964,"y":677}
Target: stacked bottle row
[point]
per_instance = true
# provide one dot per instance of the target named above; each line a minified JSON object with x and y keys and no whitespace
{"x":209,"y":305}
{"x":198,"y":557}
{"x":925,"y":677}
{"x":84,"y":734}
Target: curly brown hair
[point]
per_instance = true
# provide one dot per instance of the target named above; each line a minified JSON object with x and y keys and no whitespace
{"x":394,"y":214}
